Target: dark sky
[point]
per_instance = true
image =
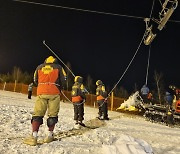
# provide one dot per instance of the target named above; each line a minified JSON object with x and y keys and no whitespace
{"x":95,"y":44}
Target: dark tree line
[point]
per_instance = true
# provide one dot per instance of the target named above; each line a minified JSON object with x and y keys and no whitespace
{"x":18,"y":76}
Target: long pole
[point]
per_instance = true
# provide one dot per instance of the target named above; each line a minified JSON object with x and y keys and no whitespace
{"x":44,"y":42}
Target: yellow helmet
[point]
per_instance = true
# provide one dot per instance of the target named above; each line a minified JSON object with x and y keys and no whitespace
{"x":50,"y":59}
{"x":99,"y":82}
{"x":78,"y":79}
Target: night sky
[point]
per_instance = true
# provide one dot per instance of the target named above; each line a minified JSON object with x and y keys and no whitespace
{"x":98,"y":45}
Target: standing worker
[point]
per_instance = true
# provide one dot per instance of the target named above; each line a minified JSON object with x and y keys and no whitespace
{"x":144,"y":93}
{"x":78,"y":99}
{"x":169,"y":109}
{"x":49,"y":78}
{"x":102,"y":100}
{"x":30,"y":89}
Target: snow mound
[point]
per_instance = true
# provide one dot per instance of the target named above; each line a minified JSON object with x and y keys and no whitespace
{"x":128,"y":145}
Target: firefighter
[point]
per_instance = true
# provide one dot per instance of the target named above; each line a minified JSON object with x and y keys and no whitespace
{"x":49,"y":78}
{"x":78,"y":99}
{"x":102,"y":100}
{"x":169,"y":109}
{"x":176,"y":93}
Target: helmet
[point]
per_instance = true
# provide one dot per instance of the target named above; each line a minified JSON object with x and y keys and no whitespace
{"x":99,"y":82}
{"x":172,"y":87}
{"x":50,"y":59}
{"x":78,"y":79}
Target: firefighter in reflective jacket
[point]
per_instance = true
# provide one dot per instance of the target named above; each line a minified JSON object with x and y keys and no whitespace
{"x":102,"y":100}
{"x":78,"y":99}
{"x":49,"y":78}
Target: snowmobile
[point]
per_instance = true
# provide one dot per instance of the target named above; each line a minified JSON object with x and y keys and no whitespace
{"x":160,"y":113}
{"x":153,"y":113}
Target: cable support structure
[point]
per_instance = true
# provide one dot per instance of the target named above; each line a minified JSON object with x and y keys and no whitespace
{"x":133,"y":55}
{"x":147,"y":70}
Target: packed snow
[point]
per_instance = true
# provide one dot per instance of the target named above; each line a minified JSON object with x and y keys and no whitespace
{"x":123,"y":134}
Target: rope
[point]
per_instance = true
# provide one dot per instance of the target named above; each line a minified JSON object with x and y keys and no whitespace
{"x":128,"y":64}
{"x":134,"y":53}
{"x":70,"y":100}
{"x":90,"y":11}
{"x":66,"y":96}
{"x":147,"y":72}
{"x":58,"y":57}
{"x":61,"y":61}
{"x":130,"y":61}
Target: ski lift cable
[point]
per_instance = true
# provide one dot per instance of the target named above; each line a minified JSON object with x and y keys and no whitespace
{"x":128,"y":64}
{"x":77,"y":9}
{"x":147,"y":72}
{"x":134,"y":53}
{"x":85,"y":10}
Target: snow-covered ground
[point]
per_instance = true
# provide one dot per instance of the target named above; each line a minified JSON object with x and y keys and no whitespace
{"x":123,"y":133}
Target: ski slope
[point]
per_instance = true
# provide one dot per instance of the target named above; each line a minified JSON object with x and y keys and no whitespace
{"x":123,"y":134}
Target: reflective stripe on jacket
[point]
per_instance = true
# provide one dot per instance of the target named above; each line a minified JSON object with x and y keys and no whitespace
{"x":100,"y":98}
{"x":49,"y":78}
{"x":76,"y":99}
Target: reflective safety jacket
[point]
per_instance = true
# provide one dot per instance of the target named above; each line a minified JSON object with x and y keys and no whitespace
{"x":100,"y":92}
{"x":78,"y":92}
{"x":49,"y":78}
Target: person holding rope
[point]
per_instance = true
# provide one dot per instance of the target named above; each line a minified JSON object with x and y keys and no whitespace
{"x":49,"y":78}
{"x":78,"y":99}
{"x":102,"y":100}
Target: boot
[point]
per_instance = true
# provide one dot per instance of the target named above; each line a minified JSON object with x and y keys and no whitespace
{"x":105,"y":118}
{"x":100,"y":117}
{"x":81,"y":123}
{"x":30,"y":141}
{"x":49,"y":139}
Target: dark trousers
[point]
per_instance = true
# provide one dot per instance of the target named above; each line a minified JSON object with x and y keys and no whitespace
{"x":170,"y":115}
{"x":29,"y":94}
{"x":103,"y":108}
{"x":145,"y":99}
{"x":78,"y":111}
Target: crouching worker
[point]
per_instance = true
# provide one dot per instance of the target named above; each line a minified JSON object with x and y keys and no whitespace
{"x":102,"y":100}
{"x":49,"y":78}
{"x":78,"y":99}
